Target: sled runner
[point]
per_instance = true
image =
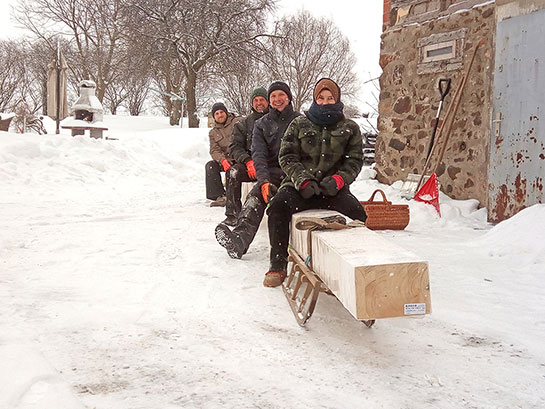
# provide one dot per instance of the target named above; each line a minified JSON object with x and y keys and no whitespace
{"x":371,"y":276}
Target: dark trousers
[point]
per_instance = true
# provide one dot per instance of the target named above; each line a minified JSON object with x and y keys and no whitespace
{"x":214,"y":184}
{"x":236,"y":175}
{"x":287,"y":202}
{"x":253,"y":209}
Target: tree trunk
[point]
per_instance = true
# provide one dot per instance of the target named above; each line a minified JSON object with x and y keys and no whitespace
{"x":191,"y":99}
{"x":175,"y":112}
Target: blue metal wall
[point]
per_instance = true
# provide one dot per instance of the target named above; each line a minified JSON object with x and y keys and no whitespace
{"x":517,"y":148}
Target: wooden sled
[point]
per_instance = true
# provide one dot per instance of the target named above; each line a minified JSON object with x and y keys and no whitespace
{"x":349,"y":264}
{"x":302,"y":287}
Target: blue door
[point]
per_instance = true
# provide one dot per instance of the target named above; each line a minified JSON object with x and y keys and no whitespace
{"x":517,"y":146}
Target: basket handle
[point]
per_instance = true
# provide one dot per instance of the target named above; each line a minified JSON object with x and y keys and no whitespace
{"x":372,"y":198}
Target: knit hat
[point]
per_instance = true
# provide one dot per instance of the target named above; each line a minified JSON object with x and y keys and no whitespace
{"x":218,"y":106}
{"x":258,"y":92}
{"x":330,"y":85}
{"x":282,"y":86}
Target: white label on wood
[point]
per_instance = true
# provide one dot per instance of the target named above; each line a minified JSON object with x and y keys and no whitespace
{"x":415,"y":309}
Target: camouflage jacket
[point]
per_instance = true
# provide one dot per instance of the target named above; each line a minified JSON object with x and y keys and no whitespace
{"x":311,"y":152}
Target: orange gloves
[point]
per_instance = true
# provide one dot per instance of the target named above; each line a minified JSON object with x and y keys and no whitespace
{"x":226,"y":165}
{"x":268,"y":190}
{"x":251,"y":169}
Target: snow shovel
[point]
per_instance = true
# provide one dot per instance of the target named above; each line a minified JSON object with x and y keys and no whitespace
{"x":429,"y":192}
{"x":413,"y":181}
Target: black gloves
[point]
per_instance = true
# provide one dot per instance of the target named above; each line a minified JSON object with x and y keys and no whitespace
{"x":310,"y":189}
{"x":330,"y":185}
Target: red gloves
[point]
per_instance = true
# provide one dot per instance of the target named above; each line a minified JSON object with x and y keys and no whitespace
{"x":226,"y":165}
{"x":268,"y":190}
{"x":251,"y":169}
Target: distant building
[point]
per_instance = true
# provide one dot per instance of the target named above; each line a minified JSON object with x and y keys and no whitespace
{"x":496,"y":151}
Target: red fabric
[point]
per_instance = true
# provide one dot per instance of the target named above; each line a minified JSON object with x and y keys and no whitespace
{"x":429,"y":193}
{"x":226,"y":165}
{"x":340,"y":181}
{"x":251,"y":169}
{"x":306,"y":182}
{"x":265,"y":191}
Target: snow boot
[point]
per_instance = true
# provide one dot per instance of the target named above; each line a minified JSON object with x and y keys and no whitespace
{"x":274,"y":278}
{"x":219,"y":202}
{"x":230,"y":221}
{"x":230,"y":241}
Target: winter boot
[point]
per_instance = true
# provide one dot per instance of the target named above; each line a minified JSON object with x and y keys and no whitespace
{"x":219,"y":202}
{"x":274,"y":278}
{"x":230,"y":241}
{"x":230,"y":221}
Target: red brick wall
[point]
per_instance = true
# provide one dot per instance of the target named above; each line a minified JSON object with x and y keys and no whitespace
{"x":386,"y":15}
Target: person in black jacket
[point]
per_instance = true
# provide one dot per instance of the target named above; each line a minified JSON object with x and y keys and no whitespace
{"x":240,"y":149}
{"x":267,"y":134}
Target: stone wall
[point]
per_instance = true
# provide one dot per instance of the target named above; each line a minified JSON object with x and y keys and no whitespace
{"x":414,"y":50}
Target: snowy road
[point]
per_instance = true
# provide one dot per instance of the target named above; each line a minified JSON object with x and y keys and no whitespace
{"x":116,"y":297}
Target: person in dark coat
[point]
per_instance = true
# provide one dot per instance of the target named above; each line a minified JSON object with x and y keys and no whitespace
{"x":265,"y":146}
{"x":220,"y":138}
{"x":240,"y":149}
{"x":321,"y":154}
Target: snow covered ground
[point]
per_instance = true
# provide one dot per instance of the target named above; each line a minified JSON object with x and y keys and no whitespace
{"x":115,"y":294}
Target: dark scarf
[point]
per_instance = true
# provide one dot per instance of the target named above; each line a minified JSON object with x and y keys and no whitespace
{"x":325,"y":115}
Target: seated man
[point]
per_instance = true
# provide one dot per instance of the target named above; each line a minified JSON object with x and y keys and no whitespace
{"x":220,"y":137}
{"x":265,"y":145}
{"x":240,"y":150}
{"x":321,"y":154}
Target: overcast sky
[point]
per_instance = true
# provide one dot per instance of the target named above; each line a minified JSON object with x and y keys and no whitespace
{"x":359,"y":20}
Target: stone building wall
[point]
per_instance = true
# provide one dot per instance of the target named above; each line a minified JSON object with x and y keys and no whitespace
{"x":417,"y":39}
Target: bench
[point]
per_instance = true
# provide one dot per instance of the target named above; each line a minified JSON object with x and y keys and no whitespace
{"x":94,"y":131}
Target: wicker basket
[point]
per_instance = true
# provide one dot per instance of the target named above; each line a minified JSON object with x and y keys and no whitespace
{"x":383,"y":215}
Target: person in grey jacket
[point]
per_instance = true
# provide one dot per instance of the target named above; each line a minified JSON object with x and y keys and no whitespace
{"x":267,"y":134}
{"x":240,"y":149}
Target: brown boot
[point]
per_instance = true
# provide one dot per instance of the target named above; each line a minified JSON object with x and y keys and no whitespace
{"x":219,"y":202}
{"x":274,"y":278}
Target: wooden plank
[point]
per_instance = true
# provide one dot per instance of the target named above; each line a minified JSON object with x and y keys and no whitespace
{"x":371,"y":276}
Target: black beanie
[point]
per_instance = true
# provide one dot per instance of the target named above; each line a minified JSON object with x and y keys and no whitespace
{"x":218,"y":106}
{"x":282,"y":86}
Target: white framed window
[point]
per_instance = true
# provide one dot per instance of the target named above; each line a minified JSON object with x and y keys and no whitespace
{"x":440,"y":51}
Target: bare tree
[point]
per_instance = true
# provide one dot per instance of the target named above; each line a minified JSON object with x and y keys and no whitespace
{"x":237,"y":75}
{"x":201,"y":31}
{"x":12,"y":74}
{"x":307,"y":48}
{"x":93,"y":27}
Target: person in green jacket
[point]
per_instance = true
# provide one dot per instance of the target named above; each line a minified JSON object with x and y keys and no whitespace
{"x":321,"y":154}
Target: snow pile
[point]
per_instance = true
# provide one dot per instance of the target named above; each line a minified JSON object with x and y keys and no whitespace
{"x":521,"y":237}
{"x":131,"y":161}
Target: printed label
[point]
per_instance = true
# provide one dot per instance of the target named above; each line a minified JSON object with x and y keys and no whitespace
{"x":415,"y":309}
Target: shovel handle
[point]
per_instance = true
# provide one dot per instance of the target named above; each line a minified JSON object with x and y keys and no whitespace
{"x":444,"y":91}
